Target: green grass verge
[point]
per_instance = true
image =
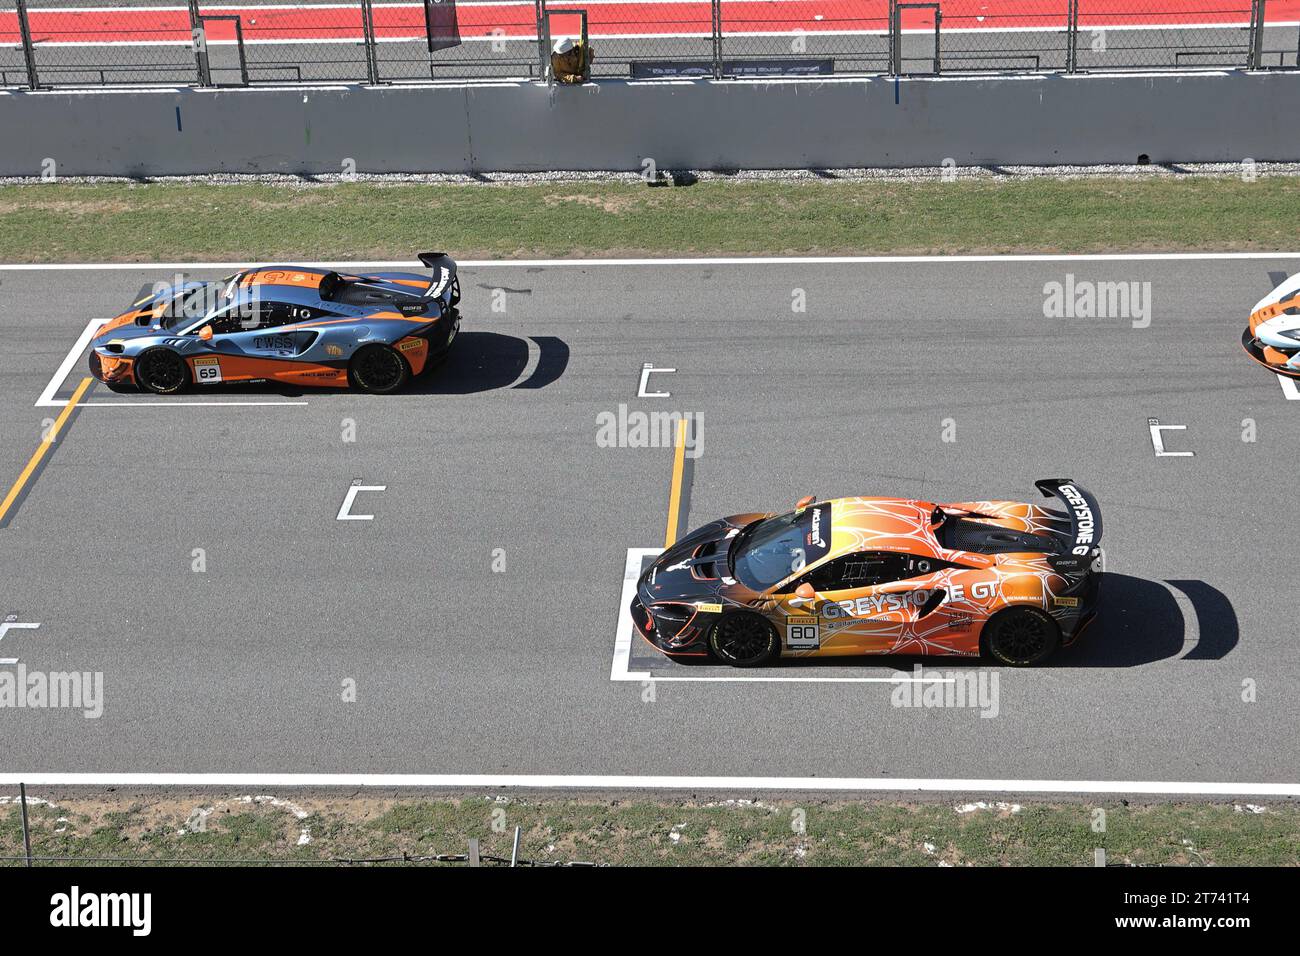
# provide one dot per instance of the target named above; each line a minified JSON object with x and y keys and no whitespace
{"x":169,"y":221}
{"x":166,"y":827}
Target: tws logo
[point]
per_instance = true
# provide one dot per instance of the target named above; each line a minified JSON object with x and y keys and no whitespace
{"x":75,"y":909}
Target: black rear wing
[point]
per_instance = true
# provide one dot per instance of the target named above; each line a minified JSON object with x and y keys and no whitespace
{"x":444,"y":272}
{"x":1084,"y":536}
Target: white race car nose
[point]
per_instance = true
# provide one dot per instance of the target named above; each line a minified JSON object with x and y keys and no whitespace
{"x":1281,"y":332}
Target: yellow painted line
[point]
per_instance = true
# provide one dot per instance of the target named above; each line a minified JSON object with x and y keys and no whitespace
{"x":43,"y":448}
{"x":675,"y":492}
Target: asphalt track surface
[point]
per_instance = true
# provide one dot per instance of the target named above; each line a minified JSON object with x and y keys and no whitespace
{"x":460,"y":669}
{"x":320,"y":42}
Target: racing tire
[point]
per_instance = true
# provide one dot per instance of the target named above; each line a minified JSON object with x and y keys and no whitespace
{"x":744,"y":639}
{"x":1020,"y":637}
{"x":379,"y":370}
{"x":161,"y":371}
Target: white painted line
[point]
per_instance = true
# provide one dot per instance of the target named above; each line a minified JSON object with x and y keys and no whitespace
{"x":1289,"y":388}
{"x":9,"y":625}
{"x":611,"y":782}
{"x":624,"y":636}
{"x":530,"y":364}
{"x":702,"y":261}
{"x":1191,"y":620}
{"x":162,"y":404}
{"x":47,"y":399}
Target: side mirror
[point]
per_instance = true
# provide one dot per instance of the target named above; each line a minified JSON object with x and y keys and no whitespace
{"x":805,"y":501}
{"x":205,"y":333}
{"x":805,"y":591}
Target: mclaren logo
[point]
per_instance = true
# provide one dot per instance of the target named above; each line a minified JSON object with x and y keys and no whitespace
{"x":817,"y":528}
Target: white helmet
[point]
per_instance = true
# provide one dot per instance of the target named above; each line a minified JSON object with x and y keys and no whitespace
{"x":564,"y":45}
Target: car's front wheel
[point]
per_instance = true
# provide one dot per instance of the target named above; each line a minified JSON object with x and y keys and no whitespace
{"x":162,"y":371}
{"x":379,"y":369}
{"x":1021,"y":637}
{"x":744,"y":639}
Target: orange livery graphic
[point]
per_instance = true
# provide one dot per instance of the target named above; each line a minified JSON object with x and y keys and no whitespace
{"x":297,"y":326}
{"x":851,"y":576}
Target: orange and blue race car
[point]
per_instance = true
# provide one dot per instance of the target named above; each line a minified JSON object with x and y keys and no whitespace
{"x":287,"y":324}
{"x":855,"y":576}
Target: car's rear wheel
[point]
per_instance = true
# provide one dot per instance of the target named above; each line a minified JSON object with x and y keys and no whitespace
{"x":162,"y":371}
{"x":379,"y":369}
{"x":744,"y":639}
{"x":1021,"y":637}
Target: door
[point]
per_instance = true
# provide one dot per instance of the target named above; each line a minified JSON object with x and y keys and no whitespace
{"x":865,"y":603}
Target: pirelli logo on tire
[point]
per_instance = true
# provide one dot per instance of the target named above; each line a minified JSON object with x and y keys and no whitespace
{"x":802,"y":633}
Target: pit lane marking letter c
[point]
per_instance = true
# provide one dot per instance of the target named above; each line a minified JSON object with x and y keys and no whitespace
{"x":10,"y":624}
{"x":647,"y":369}
{"x":1158,"y":440}
{"x":345,"y":509}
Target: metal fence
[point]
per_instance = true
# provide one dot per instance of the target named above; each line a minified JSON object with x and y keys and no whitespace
{"x":62,"y":43}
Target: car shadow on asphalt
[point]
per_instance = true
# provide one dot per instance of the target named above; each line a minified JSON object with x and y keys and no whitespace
{"x":485,"y":361}
{"x":1140,"y":621}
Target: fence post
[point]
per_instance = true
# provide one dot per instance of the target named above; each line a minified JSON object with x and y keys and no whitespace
{"x":1256,"y":56}
{"x":543,"y":43}
{"x":368,"y":34}
{"x":895,"y":40}
{"x":27,"y":833}
{"x":1072,"y":36}
{"x":717,"y":38}
{"x":29,"y":52}
{"x":199,"y":37}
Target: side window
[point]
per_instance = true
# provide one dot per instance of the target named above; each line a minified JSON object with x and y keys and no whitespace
{"x":867,"y":569}
{"x":227,"y":322}
{"x":266,"y":314}
{"x":274,"y":314}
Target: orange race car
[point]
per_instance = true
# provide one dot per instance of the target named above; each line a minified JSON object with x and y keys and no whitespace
{"x":288,"y":324}
{"x":880,"y":576}
{"x":1272,"y":336}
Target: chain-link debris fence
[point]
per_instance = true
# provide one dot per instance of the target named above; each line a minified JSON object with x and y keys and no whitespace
{"x":69,"y":43}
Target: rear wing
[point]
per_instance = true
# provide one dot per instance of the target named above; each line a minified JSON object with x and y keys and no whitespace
{"x":444,"y":274}
{"x":1084,"y":536}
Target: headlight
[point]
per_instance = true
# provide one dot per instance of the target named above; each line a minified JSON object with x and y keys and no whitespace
{"x":1291,"y":334}
{"x":670,"y":619}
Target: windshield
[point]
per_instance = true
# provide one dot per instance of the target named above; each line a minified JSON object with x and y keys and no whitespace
{"x":193,"y":304}
{"x":775,"y":548}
